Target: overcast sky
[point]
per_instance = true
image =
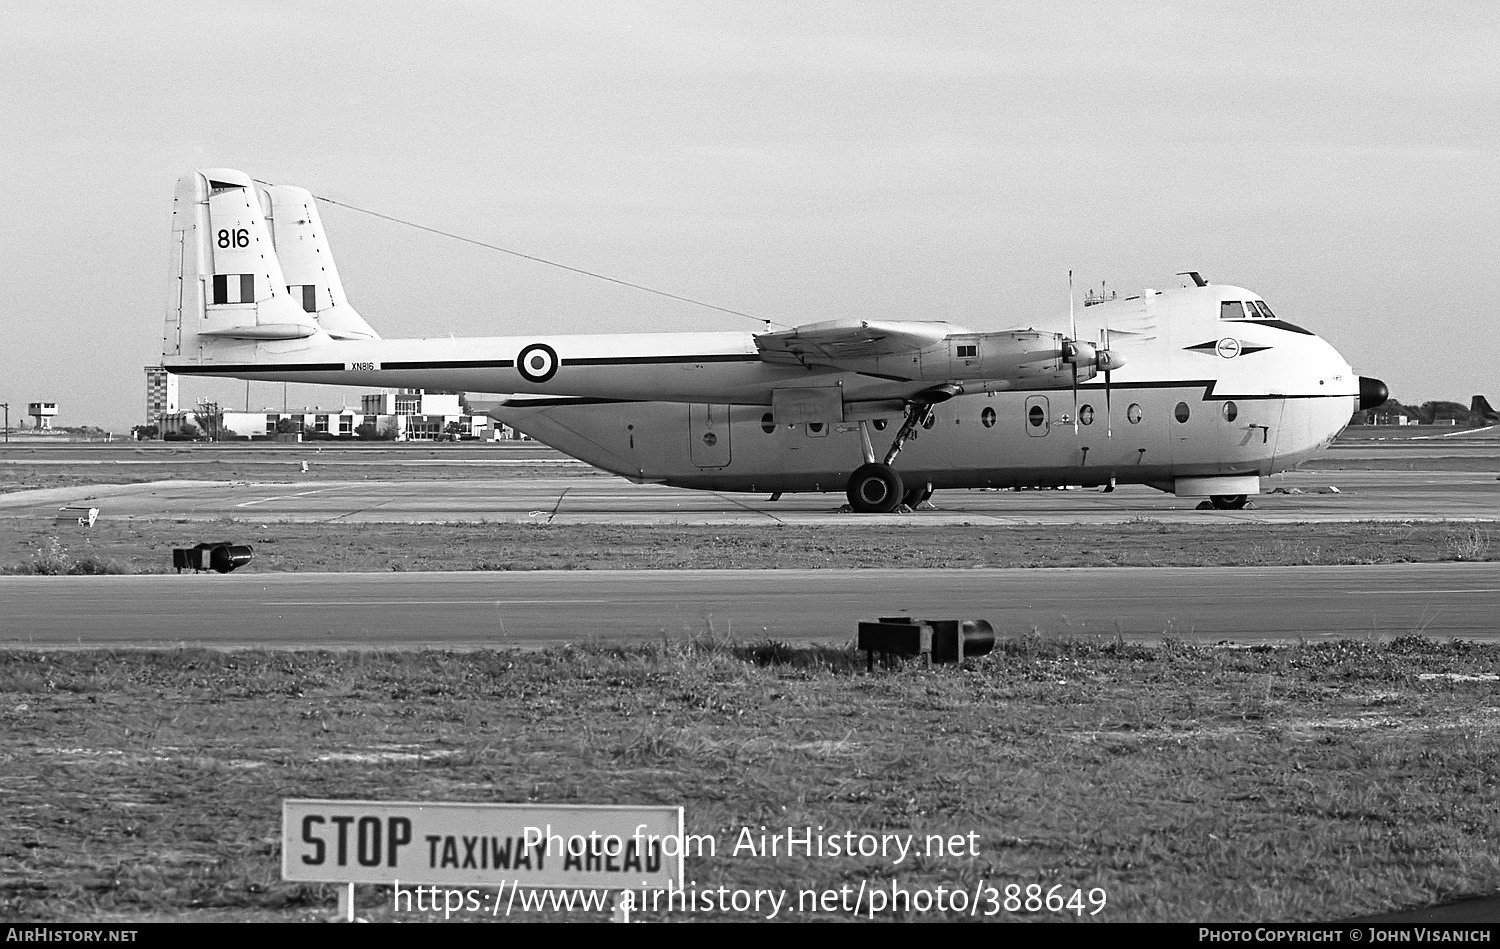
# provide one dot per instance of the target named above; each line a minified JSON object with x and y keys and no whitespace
{"x":799,"y":161}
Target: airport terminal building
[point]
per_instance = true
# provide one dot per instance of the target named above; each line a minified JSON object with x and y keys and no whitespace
{"x":402,"y":415}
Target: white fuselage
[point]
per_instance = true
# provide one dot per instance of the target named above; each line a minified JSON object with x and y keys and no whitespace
{"x":1199,"y":396}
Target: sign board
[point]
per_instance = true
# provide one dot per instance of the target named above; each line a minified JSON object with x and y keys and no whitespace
{"x":530,"y":845}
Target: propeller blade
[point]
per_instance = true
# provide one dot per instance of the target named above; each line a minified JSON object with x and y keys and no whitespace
{"x":1075,"y":396}
{"x":1109,"y":422}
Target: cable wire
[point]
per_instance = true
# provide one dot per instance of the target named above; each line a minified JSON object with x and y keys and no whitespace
{"x":535,"y":259}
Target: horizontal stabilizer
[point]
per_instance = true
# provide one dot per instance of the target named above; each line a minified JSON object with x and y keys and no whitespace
{"x":263,"y":331}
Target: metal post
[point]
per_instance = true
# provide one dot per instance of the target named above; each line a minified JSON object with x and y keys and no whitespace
{"x":6,"y":406}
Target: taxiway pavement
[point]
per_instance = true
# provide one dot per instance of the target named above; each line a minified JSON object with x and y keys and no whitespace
{"x":469,"y":610}
{"x":588,"y":497}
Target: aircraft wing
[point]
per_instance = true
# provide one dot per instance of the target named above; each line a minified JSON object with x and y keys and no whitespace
{"x":839,"y":343}
{"x":938,"y":353}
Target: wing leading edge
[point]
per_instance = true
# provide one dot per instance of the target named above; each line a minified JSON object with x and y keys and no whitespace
{"x":937,"y":352}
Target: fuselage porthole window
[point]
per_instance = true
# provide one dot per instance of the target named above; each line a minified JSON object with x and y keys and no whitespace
{"x":1133,"y":414}
{"x":1036,"y":416}
{"x":987,"y":417}
{"x":768,"y":423}
{"x":930,"y":420}
{"x":1231,"y":411}
{"x":879,"y":424}
{"x":1086,"y":415}
{"x":1181,"y":412}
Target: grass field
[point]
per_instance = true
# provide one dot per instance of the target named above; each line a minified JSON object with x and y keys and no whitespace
{"x":145,"y":546}
{"x":1304,"y":782}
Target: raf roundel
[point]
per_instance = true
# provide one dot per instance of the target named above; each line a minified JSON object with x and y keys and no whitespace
{"x":537,"y":362}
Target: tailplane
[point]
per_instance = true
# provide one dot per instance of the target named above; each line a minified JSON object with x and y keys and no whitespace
{"x":1481,"y":406}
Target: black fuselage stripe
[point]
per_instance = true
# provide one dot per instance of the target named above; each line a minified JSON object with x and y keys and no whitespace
{"x":564,"y":400}
{"x":453,"y":364}
{"x":221,"y":370}
{"x":1207,"y":385}
{"x":664,"y":360}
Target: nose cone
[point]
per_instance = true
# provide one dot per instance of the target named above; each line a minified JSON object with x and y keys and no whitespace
{"x":1372,"y":393}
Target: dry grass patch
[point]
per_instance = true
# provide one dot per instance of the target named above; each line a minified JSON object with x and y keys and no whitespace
{"x":1192,"y":783}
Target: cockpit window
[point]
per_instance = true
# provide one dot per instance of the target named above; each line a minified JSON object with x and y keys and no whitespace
{"x":1265,"y":311}
{"x":1231,"y":310}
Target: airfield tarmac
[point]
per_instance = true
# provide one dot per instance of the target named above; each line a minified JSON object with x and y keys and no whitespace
{"x":1397,"y":480}
{"x":534,"y":608}
{"x":559,"y":491}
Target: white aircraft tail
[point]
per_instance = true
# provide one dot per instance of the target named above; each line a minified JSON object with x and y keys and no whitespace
{"x":252,"y":274}
{"x":307,"y":263}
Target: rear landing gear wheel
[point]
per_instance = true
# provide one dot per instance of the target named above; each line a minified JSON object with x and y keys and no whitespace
{"x":875,"y":488}
{"x":1228,"y":502}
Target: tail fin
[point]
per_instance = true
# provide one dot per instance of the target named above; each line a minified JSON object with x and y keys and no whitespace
{"x":307,"y":263}
{"x":1481,"y":406}
{"x":227,"y":282}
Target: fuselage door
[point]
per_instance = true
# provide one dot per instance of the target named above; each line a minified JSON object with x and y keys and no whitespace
{"x":708,"y":435}
{"x":1038,"y":416}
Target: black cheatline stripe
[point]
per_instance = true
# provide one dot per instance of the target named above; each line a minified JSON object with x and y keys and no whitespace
{"x":220,"y":370}
{"x":564,"y":400}
{"x":452,"y":364}
{"x":647,"y":360}
{"x":1208,"y":390}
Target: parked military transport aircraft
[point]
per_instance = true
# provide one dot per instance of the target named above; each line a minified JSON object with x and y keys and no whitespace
{"x":1200,"y":390}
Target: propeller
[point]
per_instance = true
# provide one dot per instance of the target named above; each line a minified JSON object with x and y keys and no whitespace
{"x":1109,"y":422}
{"x":1073,"y":346}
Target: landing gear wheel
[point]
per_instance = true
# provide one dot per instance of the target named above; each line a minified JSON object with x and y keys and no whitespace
{"x":915,"y":496}
{"x":1228,"y":502}
{"x":875,"y":488}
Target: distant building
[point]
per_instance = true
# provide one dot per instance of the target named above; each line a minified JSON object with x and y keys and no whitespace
{"x":161,"y":394}
{"x":43,"y":412}
{"x":410,"y":402}
{"x":404,"y":415}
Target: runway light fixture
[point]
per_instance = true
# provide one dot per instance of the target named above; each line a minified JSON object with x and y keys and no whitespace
{"x":221,"y":556}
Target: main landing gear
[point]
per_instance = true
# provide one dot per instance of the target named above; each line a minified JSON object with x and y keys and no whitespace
{"x":875,"y":487}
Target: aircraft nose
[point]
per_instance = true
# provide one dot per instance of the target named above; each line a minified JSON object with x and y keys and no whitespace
{"x":1372,"y":393}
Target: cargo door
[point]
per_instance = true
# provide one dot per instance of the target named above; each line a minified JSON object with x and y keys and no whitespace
{"x":708,"y":435}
